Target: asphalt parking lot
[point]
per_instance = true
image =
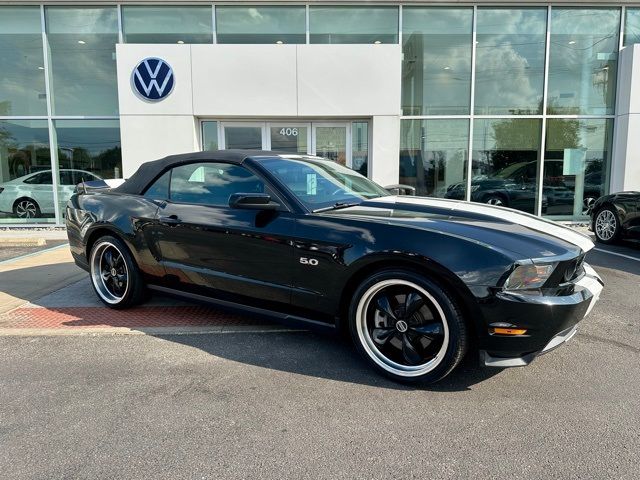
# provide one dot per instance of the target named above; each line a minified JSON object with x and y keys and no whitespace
{"x":251,"y":399}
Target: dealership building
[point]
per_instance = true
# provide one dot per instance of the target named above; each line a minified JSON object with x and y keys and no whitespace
{"x":531,"y":105}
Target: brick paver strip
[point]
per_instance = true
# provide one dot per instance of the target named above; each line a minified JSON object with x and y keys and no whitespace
{"x":141,"y":317}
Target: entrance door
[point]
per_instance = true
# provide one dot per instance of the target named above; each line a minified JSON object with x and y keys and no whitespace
{"x":289,"y":137}
{"x":242,"y":135}
{"x":333,"y":141}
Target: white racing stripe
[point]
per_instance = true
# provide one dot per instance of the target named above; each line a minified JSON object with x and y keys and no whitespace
{"x":534,"y":223}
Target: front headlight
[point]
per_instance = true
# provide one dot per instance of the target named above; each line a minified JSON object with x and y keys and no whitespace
{"x":529,"y":276}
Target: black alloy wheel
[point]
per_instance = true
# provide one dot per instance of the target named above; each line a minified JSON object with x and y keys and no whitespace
{"x":407,"y":327}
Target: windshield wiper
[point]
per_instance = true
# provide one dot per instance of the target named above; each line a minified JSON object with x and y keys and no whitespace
{"x":336,"y":206}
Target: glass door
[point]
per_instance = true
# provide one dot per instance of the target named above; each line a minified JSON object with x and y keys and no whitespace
{"x":333,"y":141}
{"x":289,"y":137}
{"x":242,"y":135}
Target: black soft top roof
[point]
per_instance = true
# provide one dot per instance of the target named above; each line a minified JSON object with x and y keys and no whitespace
{"x":149,"y":171}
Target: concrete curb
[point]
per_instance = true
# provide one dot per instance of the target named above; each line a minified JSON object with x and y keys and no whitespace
{"x":22,"y":242}
{"x":155,"y":331}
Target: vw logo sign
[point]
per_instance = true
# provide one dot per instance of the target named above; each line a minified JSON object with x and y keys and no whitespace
{"x":153,"y":79}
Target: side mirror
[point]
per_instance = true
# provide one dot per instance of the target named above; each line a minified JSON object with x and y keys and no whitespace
{"x":252,"y":201}
{"x":401,"y":189}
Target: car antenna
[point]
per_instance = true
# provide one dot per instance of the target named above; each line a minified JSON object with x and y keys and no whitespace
{"x":84,"y":187}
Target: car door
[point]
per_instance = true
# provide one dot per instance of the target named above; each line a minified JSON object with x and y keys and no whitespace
{"x":205,"y":244}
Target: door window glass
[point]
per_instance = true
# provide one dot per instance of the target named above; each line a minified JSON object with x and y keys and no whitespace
{"x":212,"y":183}
{"x":247,"y":138}
{"x":331,"y":143}
{"x":291,"y":139}
{"x":159,"y":190}
{"x":210,"y":136}
{"x":43,"y":178}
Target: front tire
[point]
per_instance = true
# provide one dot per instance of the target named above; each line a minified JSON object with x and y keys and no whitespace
{"x":407,"y":327}
{"x":496,"y":200}
{"x":27,"y":208}
{"x":115,"y":277}
{"x":606,"y":226}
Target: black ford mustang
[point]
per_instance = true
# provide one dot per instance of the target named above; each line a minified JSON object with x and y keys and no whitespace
{"x":416,"y":281}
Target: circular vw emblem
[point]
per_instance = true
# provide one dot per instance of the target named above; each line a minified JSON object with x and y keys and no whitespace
{"x":153,"y":79}
{"x":402,"y":326}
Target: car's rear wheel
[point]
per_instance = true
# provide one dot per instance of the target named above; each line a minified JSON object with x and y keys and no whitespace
{"x":606,"y":225}
{"x":115,"y":276}
{"x":407,"y":327}
{"x":26,"y":208}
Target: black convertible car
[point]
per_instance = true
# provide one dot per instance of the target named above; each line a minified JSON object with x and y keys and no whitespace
{"x":417,"y":282}
{"x":616,"y":216}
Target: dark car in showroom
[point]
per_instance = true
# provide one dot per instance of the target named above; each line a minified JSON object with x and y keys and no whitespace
{"x":416,"y":282}
{"x":616,"y":216}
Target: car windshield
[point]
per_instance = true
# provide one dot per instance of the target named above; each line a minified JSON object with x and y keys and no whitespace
{"x":322,"y":183}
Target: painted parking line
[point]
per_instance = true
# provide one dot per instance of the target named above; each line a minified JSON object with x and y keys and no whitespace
{"x":617,"y":254}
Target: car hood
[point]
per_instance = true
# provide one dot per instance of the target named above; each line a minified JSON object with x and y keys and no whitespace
{"x":497,"y":227}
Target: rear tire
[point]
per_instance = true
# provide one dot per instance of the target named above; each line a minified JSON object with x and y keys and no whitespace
{"x":115,"y":277}
{"x":407,"y":327}
{"x":606,"y":226}
{"x":496,"y":200}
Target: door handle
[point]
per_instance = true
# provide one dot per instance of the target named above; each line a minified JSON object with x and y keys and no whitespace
{"x":171,"y":219}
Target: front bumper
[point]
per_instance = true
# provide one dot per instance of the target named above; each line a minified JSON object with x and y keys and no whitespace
{"x":550,"y":321}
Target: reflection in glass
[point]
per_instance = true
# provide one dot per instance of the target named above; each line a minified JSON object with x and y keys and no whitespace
{"x":510,"y":47}
{"x":632,"y":26}
{"x":210,"y":135}
{"x":26,"y":188}
{"x":22,"y":89}
{"x":331,"y":143}
{"x":583,"y":60}
{"x":167,"y":24}
{"x":576,"y":164}
{"x":271,"y":24}
{"x":342,"y":24}
{"x":436,"y":67}
{"x":289,"y":138}
{"x":83,"y":60}
{"x":360,"y":147}
{"x":249,"y":138}
{"x":505,"y":162}
{"x":433,"y":157}
{"x":89,"y":150}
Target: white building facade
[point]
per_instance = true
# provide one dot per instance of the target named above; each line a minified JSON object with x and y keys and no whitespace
{"x":529,"y":105}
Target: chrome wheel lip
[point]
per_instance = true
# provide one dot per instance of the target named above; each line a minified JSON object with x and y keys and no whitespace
{"x":98,"y":280}
{"x":606,"y":225}
{"x":26,"y":209}
{"x":376,"y":355}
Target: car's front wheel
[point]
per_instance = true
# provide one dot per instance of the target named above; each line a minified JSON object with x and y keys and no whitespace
{"x":606,"y":225}
{"x":115,"y":276}
{"x":407,"y":327}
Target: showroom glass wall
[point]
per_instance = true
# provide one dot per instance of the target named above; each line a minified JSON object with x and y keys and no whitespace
{"x":508,"y":104}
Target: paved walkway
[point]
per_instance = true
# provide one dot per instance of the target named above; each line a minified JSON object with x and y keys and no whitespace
{"x":45,"y":293}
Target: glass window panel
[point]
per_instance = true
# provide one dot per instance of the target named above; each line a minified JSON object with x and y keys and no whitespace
{"x":89,"y":150}
{"x":210,"y":136}
{"x":353,"y":24}
{"x":272,"y":24}
{"x":167,"y":24}
{"x":289,"y":138}
{"x":505,"y":162}
{"x":360,"y":147}
{"x":249,"y":138}
{"x":576,"y":165}
{"x":510,"y":60}
{"x":26,"y":189}
{"x":22,"y":88}
{"x":583,"y":60}
{"x":632,"y":26}
{"x":331,"y":143}
{"x":436,"y":66}
{"x":83,"y":60}
{"x":433,"y":157}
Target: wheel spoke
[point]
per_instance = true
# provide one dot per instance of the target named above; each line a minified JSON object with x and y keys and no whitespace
{"x":429,"y":330}
{"x":382,"y":335}
{"x":384,"y":305}
{"x":409,"y":352}
{"x":108,"y":257}
{"x":413,"y":302}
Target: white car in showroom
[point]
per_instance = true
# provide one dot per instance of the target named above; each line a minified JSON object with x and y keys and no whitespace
{"x":31,"y":196}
